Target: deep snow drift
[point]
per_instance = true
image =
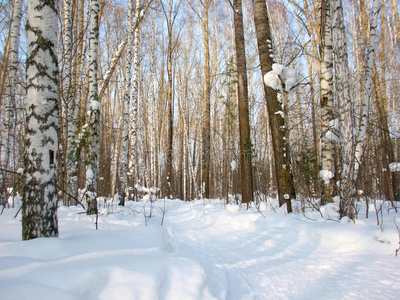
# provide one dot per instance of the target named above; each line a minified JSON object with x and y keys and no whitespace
{"x":203,"y":250}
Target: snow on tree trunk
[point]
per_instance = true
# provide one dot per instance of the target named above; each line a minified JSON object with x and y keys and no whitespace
{"x":342,"y":81}
{"x":39,"y":206}
{"x":94,"y":112}
{"x":243,"y":99}
{"x":367,"y":90}
{"x":7,"y":130}
{"x":72,"y":176}
{"x":326,"y":79}
{"x":124,"y":152}
{"x":275,"y":113}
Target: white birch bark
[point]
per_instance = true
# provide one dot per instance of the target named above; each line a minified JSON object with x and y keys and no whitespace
{"x":94,"y":111}
{"x":39,"y":206}
{"x":134,"y":103}
{"x":367,"y":90}
{"x":72,"y":176}
{"x":345,"y":110}
{"x":326,"y":79}
{"x":124,"y":122}
{"x":7,"y":132}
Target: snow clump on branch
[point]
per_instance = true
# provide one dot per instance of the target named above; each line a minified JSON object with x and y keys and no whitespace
{"x":281,"y":76}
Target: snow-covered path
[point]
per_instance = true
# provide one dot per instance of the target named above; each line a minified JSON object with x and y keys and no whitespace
{"x":202,"y":251}
{"x":250,"y":257}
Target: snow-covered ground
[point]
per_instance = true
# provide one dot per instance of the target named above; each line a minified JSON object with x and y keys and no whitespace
{"x":202,"y":250}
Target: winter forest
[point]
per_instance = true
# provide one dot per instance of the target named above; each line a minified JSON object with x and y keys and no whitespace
{"x":193,"y":127}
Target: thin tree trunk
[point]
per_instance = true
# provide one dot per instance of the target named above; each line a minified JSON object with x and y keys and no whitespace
{"x":7,"y":135}
{"x":94,"y":112}
{"x":206,"y":109}
{"x":326,"y":78}
{"x":124,"y":122}
{"x":342,"y":81}
{"x":71,"y":165}
{"x":39,"y":204}
{"x":367,"y":90}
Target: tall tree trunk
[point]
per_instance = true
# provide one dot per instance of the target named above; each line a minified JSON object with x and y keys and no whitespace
{"x":132,"y":177}
{"x":206,"y":108}
{"x":342,"y":81}
{"x":94,"y":112}
{"x":170,"y":122}
{"x":326,"y":79}
{"x":72,"y":167}
{"x":243,"y":103}
{"x":264,"y":36}
{"x":381,"y":102}
{"x":367,"y":89}
{"x":124,"y":116}
{"x":7,"y":133}
{"x":39,"y":205}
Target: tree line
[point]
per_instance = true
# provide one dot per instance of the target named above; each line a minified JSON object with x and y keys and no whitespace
{"x":229,"y":99}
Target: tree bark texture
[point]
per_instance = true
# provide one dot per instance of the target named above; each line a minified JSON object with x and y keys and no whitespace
{"x":39,"y":205}
{"x":94,"y":112}
{"x":326,"y":79}
{"x":264,"y":38}
{"x":243,"y":103}
{"x":206,"y":109}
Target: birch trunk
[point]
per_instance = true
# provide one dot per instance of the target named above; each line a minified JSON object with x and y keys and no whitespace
{"x":94,"y":112}
{"x":72,"y":163}
{"x":134,"y":103}
{"x":326,"y":79}
{"x":124,"y":116}
{"x":7,"y":133}
{"x":39,"y":205}
{"x":367,"y":89}
{"x":342,"y":81}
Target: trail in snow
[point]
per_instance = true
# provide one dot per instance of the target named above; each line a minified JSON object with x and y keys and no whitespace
{"x":281,"y":257}
{"x":204,"y":250}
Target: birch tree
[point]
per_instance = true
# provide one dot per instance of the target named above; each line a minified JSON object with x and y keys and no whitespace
{"x":39,"y":205}
{"x":342,"y":85}
{"x":134,"y":100}
{"x":7,"y":135}
{"x":124,"y":117}
{"x":94,"y":112}
{"x":72,"y":164}
{"x":367,"y":89}
{"x":326,"y":79}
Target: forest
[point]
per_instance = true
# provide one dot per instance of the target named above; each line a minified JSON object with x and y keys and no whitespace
{"x":199,"y":149}
{"x":198,"y":99}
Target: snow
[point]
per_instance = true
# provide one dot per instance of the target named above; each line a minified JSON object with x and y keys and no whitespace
{"x":234,"y":165}
{"x":89,"y":174}
{"x":394,"y":167}
{"x":95,"y":105}
{"x":203,"y":250}
{"x":281,"y":74}
{"x":326,"y":175}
